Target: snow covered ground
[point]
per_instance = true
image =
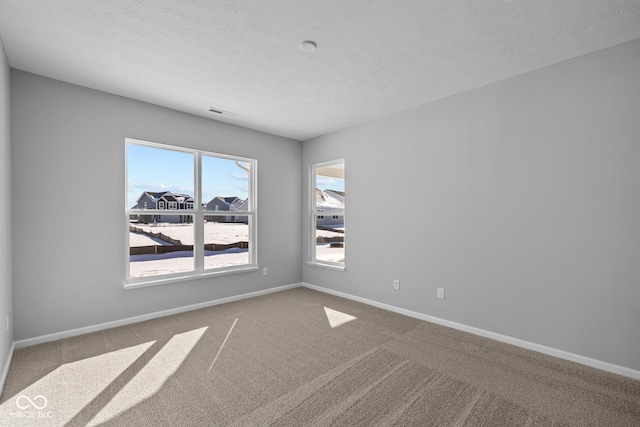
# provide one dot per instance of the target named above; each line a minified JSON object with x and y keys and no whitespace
{"x":324,"y":252}
{"x":327,"y":253}
{"x":214,"y":232}
{"x":174,"y":262}
{"x":327,"y":233}
{"x":136,"y":239}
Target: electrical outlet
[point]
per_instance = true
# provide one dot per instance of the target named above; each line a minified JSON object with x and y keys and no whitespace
{"x":396,"y":284}
{"x":265,"y":271}
{"x":441,"y":293}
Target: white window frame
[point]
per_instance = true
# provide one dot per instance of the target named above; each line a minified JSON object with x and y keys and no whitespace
{"x":316,"y":214}
{"x":198,"y":213}
{"x":160,"y":204}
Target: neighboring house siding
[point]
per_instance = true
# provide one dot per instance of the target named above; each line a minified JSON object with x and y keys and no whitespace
{"x":168,"y":200}
{"x":149,"y":200}
{"x":328,"y":213}
{"x":145,"y":201}
{"x":330,"y":205}
{"x":225,"y":204}
{"x":243,"y":207}
{"x":217,"y":204}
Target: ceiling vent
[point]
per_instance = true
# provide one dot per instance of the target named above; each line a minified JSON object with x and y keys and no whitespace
{"x":222,"y":112}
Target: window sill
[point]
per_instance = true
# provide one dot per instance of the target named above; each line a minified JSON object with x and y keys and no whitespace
{"x":325,"y":265}
{"x":187,"y":277}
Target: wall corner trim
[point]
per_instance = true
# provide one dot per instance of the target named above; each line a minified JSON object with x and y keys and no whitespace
{"x":583,"y":360}
{"x":5,"y":368}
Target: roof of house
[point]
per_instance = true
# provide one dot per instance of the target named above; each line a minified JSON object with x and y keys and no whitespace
{"x":326,"y":200}
{"x":227,"y":200}
{"x":167,"y":195}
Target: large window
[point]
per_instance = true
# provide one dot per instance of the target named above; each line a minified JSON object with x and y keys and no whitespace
{"x":189,"y":213}
{"x":327,"y":207}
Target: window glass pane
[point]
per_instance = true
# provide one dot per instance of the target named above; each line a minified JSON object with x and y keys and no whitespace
{"x":158,"y":175}
{"x":160,"y":247}
{"x":225,"y":184}
{"x":328,"y":218}
{"x":330,"y":196}
{"x":330,"y":239}
{"x":226,"y":241}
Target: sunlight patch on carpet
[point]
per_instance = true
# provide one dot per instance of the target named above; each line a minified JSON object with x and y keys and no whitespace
{"x":68,"y":388}
{"x":152,"y":376}
{"x":337,"y":318}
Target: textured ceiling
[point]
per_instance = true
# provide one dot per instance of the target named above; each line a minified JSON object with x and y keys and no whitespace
{"x":373,"y":58}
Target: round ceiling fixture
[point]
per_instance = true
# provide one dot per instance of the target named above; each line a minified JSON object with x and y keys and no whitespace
{"x":308,"y":45}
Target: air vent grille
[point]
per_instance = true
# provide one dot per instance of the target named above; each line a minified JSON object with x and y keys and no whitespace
{"x":221,"y":112}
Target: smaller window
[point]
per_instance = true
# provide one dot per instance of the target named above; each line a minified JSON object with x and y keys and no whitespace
{"x":327,"y":194}
{"x":161,"y":204}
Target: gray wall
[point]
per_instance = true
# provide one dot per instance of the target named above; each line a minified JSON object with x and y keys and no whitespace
{"x":68,"y":154}
{"x":6,"y":298}
{"x":523,"y":202}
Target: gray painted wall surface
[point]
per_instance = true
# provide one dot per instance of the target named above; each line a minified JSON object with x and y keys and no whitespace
{"x":523,"y":202}
{"x":68,"y":149}
{"x":6,"y":298}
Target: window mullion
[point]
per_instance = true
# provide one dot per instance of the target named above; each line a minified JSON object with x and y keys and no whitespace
{"x":198,"y":218}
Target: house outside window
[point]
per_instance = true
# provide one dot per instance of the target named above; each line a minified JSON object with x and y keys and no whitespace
{"x":327,"y":232}
{"x":167,"y":246}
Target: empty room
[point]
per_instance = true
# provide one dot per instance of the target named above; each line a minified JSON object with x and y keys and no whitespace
{"x":336,"y":213}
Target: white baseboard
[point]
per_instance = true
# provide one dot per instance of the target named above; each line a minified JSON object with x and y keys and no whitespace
{"x":598,"y":364}
{"x":5,"y":368}
{"x":114,"y":324}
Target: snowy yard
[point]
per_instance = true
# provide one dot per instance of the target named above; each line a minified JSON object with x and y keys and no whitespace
{"x":324,"y":251}
{"x":214,"y":232}
{"x":174,"y":262}
{"x":224,"y":233}
{"x":327,"y":253}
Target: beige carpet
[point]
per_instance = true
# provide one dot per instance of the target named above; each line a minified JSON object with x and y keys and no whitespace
{"x":304,"y":358}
